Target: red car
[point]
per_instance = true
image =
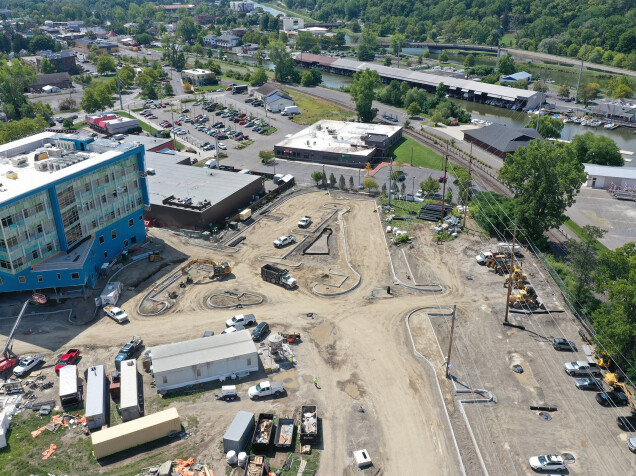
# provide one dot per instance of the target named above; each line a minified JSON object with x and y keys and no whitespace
{"x":70,"y":358}
{"x":242,"y":123}
{"x":167,"y":125}
{"x":442,"y":179}
{"x":178,"y":123}
{"x":164,"y":105}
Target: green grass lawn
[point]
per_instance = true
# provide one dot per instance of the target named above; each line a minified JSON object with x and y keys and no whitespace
{"x":79,"y":125}
{"x":313,"y":110}
{"x":422,"y":156}
{"x":578,"y":231}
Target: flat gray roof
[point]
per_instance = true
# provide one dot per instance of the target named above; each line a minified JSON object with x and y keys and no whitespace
{"x":197,"y":183}
{"x":610,"y":171}
{"x":201,"y":351}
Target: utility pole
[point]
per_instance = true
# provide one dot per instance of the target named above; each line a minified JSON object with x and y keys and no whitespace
{"x":470,"y":163}
{"x":578,"y":83}
{"x":444,"y":187}
{"x":411,"y":156}
{"x":390,"y":178}
{"x":539,"y":114}
{"x":450,"y":344}
{"x":398,"y":52}
{"x":121,"y":106}
{"x":512,"y":258}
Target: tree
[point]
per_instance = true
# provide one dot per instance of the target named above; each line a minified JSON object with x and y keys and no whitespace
{"x":41,"y":42}
{"x":620,"y":87}
{"x":363,"y":93}
{"x":13,"y":79}
{"x":351,"y":185}
{"x":259,"y":77}
{"x":469,"y":61}
{"x":544,"y":179}
{"x":443,"y":58}
{"x":68,"y":104}
{"x":564,"y":91}
{"x":168,"y":90}
{"x":306,"y":79}
{"x":106,"y":64}
{"x":187,"y":30}
{"x":414,"y":109}
{"x":284,"y":65}
{"x":90,"y":103}
{"x":46,"y":67}
{"x":339,"y":40}
{"x":127,"y":76}
{"x":387,"y":61}
{"x":317,"y":177}
{"x":367,"y":46}
{"x":429,"y":187}
{"x":540,"y":87}
{"x":591,"y":148}
{"x":332,"y":180}
{"x":549,"y":127}
{"x":506,"y":65}
{"x":449,"y":196}
{"x":403,"y":188}
{"x":305,"y":41}
{"x":398,"y":42}
{"x":589,"y":92}
{"x":42,"y":109}
{"x":143,"y":39}
{"x":266,"y":156}
{"x":582,"y":258}
{"x":342,"y":183}
{"x":67,"y":123}
{"x":369,"y":183}
{"x":14,"y":130}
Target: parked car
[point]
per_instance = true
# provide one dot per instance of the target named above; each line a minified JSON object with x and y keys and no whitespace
{"x":587,"y":384}
{"x":241,"y":319}
{"x":564,"y":344}
{"x":582,"y":367}
{"x":547,"y":463}
{"x":442,"y":179}
{"x":284,"y":241}
{"x":612,"y":398}
{"x":260,"y":331}
{"x":27,"y":364}
{"x":69,"y":358}
{"x":266,"y":388}
{"x":222,"y":146}
{"x":185,"y":111}
{"x":626,"y":423}
{"x":304,"y":222}
{"x":631,"y":444}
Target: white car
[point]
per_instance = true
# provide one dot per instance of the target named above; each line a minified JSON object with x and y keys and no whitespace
{"x":235,"y":328}
{"x":222,"y":146}
{"x":181,"y":133}
{"x":241,"y":320}
{"x":26,"y":365}
{"x":116,"y":314}
{"x":284,"y":241}
{"x":547,"y":463}
{"x":483,"y":257}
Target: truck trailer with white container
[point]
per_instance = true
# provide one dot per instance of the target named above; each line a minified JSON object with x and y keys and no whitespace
{"x":97,"y":403}
{"x":129,"y":402}
{"x":70,"y":393}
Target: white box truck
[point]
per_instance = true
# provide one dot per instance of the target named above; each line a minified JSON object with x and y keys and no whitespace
{"x":290,"y":111}
{"x":110,"y":294}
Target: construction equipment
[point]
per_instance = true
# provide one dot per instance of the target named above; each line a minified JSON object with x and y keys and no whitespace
{"x":518,"y":275}
{"x":498,"y":264}
{"x":154,"y":256}
{"x":219,"y":269}
{"x":526,"y":297}
{"x":290,"y":337}
{"x":604,"y":361}
{"x":612,"y":380}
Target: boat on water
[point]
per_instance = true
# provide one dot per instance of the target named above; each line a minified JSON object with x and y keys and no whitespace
{"x":595,"y":123}
{"x":609,"y":125}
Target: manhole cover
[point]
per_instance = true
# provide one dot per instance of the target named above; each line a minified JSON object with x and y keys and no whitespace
{"x":545,"y":416}
{"x":517,"y":368}
{"x":469,"y":278}
{"x":568,"y":458}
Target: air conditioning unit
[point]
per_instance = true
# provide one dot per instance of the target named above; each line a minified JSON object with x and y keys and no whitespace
{"x":20,"y":161}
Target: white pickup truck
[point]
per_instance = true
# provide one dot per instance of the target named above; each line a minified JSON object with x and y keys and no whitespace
{"x":27,"y":364}
{"x":284,"y":241}
{"x":266,"y":388}
{"x":116,"y":314}
{"x":241,"y":320}
{"x":304,"y":222}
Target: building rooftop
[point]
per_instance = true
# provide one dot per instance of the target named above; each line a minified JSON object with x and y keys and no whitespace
{"x":62,"y":161}
{"x":196,"y":184}
{"x":503,"y":138}
{"x":197,"y":72}
{"x":200,"y":351}
{"x":610,"y":171}
{"x":339,"y":137}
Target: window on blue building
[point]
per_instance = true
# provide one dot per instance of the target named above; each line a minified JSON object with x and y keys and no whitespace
{"x":22,"y":279}
{"x":75,"y":276}
{"x":131,"y":222}
{"x":113,"y":234}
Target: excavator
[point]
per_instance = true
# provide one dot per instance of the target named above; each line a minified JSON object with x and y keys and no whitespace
{"x":220,"y":269}
{"x":612,"y":380}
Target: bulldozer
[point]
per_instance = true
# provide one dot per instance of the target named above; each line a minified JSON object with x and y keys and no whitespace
{"x":526,"y":297}
{"x":220,"y":269}
{"x":498,"y":264}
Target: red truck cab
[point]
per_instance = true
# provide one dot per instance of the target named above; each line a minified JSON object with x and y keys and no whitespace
{"x":69,"y":358}
{"x":6,"y":364}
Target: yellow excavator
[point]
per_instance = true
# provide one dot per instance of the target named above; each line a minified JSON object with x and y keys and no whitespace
{"x":220,"y":269}
{"x":611,"y":379}
{"x":604,"y":361}
{"x":498,"y":264}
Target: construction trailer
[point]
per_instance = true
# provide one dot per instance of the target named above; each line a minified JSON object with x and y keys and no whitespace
{"x":203,"y":360}
{"x":129,"y":401}
{"x":70,"y":393}
{"x":136,"y":432}
{"x":97,"y":398}
{"x":239,"y":432}
{"x":5,"y":421}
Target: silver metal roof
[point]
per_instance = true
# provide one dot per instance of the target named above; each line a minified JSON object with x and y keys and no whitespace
{"x":201,"y":351}
{"x":610,"y":171}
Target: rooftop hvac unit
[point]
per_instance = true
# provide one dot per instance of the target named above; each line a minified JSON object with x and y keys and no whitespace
{"x":41,"y":165}
{"x":20,"y":161}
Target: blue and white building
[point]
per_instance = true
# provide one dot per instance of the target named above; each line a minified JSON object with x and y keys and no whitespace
{"x":68,"y":204}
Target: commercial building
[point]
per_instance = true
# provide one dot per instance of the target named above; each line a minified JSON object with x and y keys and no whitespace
{"x":277,"y":101}
{"x":103,"y":46}
{"x":245,"y":6}
{"x":350,"y":144}
{"x":520,"y":76}
{"x":68,"y":204}
{"x":64,"y":61}
{"x":497,"y":95}
{"x":606,"y":176}
{"x":59,"y":80}
{"x":196,"y":197}
{"x":265,"y":90}
{"x":203,"y":360}
{"x":134,"y":433}
{"x":293,"y":23}
{"x":199,"y":77}
{"x":109,"y":123}
{"x":173,"y":8}
{"x":501,"y":140}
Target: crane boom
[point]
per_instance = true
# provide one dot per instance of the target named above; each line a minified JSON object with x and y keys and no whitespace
{"x":15,"y":327}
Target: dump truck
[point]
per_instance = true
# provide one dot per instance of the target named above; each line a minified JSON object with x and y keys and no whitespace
{"x":256,"y":466}
{"x":274,"y":275}
{"x":284,"y":433}
{"x":308,"y":424}
{"x":264,"y":432}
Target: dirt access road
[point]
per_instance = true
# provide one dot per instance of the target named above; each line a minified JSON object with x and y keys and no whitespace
{"x":355,"y":344}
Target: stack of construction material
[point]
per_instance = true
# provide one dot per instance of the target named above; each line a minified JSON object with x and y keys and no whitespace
{"x":264,"y":431}
{"x":433,"y":211}
{"x":310,"y":422}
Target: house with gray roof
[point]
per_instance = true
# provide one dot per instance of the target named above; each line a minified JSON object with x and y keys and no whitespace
{"x":501,"y":140}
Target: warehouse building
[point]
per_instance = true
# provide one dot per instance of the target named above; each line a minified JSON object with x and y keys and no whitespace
{"x":350,"y":144}
{"x":501,"y":140}
{"x":59,"y":80}
{"x":134,"y":433}
{"x":68,"y":204}
{"x":110,"y":123}
{"x":196,"y":197}
{"x":607,"y":176}
{"x":494,"y":94}
{"x":203,"y":360}
{"x":198,"y":77}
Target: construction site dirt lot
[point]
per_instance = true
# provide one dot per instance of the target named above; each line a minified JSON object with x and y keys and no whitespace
{"x":355,"y":340}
